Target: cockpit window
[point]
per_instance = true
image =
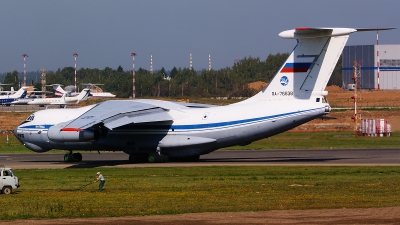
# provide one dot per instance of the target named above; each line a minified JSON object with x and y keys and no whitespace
{"x":30,"y":118}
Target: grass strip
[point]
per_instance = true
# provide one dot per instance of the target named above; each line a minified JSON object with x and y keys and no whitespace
{"x":322,"y":140}
{"x":148,"y":191}
{"x":287,"y":140}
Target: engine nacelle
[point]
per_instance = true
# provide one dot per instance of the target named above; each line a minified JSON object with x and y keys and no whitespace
{"x":69,"y":134}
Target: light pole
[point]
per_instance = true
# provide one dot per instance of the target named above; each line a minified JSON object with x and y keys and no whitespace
{"x":24,"y":55}
{"x":133,"y":54}
{"x":75,"y":55}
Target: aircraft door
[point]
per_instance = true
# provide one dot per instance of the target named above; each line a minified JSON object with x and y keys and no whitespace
{"x":6,"y":178}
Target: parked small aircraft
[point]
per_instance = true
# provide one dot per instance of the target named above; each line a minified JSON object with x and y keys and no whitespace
{"x":7,"y":99}
{"x":97,"y":92}
{"x":58,"y":90}
{"x":64,"y":100}
{"x":155,"y":131}
{"x":93,"y":91}
{"x":24,"y":101}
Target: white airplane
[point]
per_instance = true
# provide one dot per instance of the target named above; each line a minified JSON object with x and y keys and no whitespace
{"x":8,"y":99}
{"x":97,"y":92}
{"x":64,"y":100}
{"x":59,"y":91}
{"x":27,"y":99}
{"x":156,"y":131}
{"x":101,"y":95}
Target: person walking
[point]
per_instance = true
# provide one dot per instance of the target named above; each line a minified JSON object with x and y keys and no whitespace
{"x":101,"y":179}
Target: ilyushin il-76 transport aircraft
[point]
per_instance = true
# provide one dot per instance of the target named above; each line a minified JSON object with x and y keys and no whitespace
{"x":158,"y":131}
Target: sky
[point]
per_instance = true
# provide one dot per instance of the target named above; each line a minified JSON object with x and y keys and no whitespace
{"x":105,"y":33}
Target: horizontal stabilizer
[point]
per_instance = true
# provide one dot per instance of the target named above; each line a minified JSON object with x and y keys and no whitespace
{"x":375,"y":29}
{"x":309,"y":32}
{"x":315,"y":32}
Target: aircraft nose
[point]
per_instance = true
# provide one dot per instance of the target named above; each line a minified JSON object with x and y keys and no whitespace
{"x":328,"y":108}
{"x":16,"y":134}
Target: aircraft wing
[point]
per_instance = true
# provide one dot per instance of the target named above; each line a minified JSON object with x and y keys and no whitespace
{"x":195,"y":105}
{"x":117,"y":113}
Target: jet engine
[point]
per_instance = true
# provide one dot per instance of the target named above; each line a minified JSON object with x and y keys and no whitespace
{"x":69,"y":134}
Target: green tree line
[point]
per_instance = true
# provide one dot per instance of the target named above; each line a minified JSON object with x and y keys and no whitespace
{"x":183,"y":82}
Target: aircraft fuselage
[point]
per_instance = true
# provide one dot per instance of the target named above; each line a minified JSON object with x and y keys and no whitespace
{"x":194,"y":131}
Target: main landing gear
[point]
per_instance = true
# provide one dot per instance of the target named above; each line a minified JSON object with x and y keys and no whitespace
{"x":150,"y":158}
{"x":73,"y":157}
{"x":160,"y":158}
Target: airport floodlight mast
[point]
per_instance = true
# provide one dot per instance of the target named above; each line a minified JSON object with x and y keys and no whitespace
{"x":133,"y":54}
{"x":75,"y":55}
{"x":377,"y":57}
{"x":190,"y":62}
{"x":43,"y":71}
{"x":151,"y":64}
{"x":357,"y":97}
{"x":209,"y":62}
{"x":24,"y":55}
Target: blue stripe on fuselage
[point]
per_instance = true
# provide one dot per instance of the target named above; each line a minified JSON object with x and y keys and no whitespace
{"x":44,"y":126}
{"x":189,"y":126}
{"x":235,"y":123}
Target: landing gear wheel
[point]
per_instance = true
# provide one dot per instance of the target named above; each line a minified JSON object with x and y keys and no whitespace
{"x":7,"y":190}
{"x":77,"y":157}
{"x":156,"y":158}
{"x":68,"y":157}
{"x":164,"y":158}
{"x":192,"y":158}
{"x":137,"y":158}
{"x":153,"y":158}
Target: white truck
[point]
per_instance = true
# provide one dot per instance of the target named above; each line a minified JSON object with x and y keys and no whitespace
{"x":8,"y":180}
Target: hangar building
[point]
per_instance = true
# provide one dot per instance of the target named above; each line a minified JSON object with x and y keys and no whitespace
{"x":366,"y":55}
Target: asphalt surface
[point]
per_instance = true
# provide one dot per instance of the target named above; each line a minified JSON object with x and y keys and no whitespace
{"x":27,"y":108}
{"x":335,"y":157}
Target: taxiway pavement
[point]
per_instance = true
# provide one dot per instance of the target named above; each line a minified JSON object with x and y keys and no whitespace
{"x":326,"y":157}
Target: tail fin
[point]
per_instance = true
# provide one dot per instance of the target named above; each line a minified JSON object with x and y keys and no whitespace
{"x":307,"y":70}
{"x":58,"y":90}
{"x":21,"y":93}
{"x":83,"y":95}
